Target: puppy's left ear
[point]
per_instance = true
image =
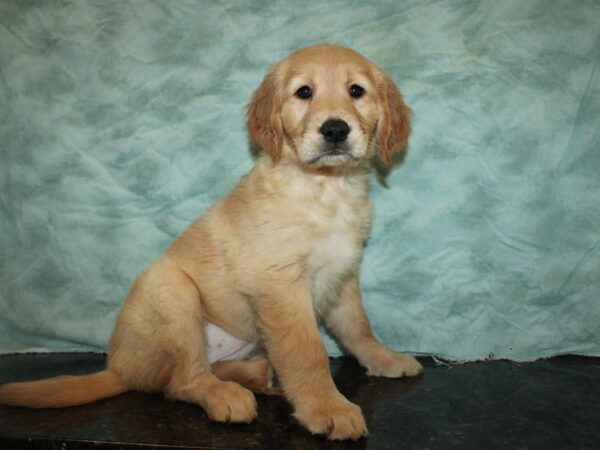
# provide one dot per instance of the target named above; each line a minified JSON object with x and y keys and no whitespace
{"x":264,"y":123}
{"x":393,"y":127}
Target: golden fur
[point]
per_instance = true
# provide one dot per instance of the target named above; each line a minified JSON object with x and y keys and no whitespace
{"x":278,"y":253}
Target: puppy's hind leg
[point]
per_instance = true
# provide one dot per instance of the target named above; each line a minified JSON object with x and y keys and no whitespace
{"x":158,"y":344}
{"x":256,"y":374}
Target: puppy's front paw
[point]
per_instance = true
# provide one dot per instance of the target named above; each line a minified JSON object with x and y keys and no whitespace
{"x":394,"y":365}
{"x":337,"y":418}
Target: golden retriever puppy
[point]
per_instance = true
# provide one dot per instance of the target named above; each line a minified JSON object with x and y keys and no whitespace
{"x":279,"y":253}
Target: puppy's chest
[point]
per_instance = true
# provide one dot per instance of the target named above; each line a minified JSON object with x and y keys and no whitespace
{"x":338,"y":230}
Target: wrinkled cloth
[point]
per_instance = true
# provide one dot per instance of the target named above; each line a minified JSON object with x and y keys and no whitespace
{"x":120,"y":122}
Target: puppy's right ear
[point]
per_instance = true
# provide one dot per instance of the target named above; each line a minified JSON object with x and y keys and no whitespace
{"x":394,"y":119}
{"x":264,"y":122}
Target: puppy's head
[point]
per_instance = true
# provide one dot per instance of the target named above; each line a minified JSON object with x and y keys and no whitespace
{"x":327,"y":105}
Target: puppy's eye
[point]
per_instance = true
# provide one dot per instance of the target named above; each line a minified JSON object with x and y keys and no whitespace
{"x":356,"y":91}
{"x":305,"y":92}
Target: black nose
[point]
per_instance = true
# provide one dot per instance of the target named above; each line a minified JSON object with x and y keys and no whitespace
{"x":335,"y":130}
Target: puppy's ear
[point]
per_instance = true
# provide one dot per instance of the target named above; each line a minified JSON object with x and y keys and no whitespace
{"x":264,"y":123}
{"x":393,"y":127}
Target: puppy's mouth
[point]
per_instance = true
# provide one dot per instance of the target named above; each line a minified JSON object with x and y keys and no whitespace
{"x":334,"y":153}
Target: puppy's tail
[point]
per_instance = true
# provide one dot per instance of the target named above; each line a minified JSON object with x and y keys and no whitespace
{"x":63,"y":391}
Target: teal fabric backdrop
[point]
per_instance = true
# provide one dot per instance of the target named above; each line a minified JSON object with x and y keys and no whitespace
{"x":122,"y":121}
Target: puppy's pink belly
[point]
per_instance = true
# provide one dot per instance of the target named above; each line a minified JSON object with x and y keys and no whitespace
{"x":222,"y":346}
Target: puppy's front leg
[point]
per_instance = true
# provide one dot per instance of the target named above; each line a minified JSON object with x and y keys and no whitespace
{"x":298,"y":355}
{"x":348,"y":322}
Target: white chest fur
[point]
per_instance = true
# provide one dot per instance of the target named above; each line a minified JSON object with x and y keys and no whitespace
{"x":340,"y":221}
{"x":312,"y":224}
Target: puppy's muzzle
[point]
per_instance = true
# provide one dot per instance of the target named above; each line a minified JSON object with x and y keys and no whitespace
{"x":335,"y":130}
{"x":335,"y":142}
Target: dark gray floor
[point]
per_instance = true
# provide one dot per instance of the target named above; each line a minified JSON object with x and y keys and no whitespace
{"x":552,"y":404}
